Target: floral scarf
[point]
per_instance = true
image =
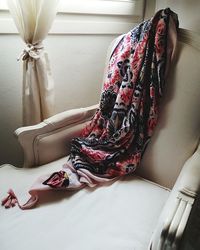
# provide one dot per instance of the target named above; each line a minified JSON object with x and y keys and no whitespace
{"x":114,"y":141}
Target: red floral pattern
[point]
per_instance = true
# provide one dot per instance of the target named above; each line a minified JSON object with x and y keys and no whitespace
{"x":58,"y":179}
{"x":115,"y":139}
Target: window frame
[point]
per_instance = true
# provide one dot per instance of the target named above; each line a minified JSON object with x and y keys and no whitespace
{"x":106,"y":13}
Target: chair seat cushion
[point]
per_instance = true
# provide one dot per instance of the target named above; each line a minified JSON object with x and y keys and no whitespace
{"x":118,"y":216}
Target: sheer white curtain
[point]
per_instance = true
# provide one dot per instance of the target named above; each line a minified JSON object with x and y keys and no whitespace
{"x":33,"y":19}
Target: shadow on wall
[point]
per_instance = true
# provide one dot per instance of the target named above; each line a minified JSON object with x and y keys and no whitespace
{"x":188,"y":12}
{"x":11,"y":151}
{"x":10,"y":99}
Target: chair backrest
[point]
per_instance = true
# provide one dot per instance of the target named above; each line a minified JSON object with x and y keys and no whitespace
{"x":177,"y":133}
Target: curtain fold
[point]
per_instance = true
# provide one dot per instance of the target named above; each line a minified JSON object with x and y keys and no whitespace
{"x":33,"y":19}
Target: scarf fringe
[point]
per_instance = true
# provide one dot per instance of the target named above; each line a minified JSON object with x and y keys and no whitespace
{"x":11,"y":200}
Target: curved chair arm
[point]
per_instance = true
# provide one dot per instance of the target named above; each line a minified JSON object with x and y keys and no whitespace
{"x":50,"y":139}
{"x":175,"y":214}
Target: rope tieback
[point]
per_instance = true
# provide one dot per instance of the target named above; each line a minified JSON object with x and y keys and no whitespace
{"x":31,"y":51}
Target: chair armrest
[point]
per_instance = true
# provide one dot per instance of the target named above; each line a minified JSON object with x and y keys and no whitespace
{"x":50,"y":139}
{"x":175,"y":214}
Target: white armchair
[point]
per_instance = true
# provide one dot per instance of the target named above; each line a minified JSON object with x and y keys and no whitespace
{"x":148,"y":210}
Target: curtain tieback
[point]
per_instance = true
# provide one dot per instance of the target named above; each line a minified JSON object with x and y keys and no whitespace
{"x":31,"y":51}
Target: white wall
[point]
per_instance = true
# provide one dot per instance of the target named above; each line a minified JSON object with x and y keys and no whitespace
{"x":187,"y":10}
{"x":10,"y":98}
{"x":77,"y":46}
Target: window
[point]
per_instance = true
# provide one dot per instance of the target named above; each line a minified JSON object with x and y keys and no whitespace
{"x":86,"y":17}
{"x":103,"y":7}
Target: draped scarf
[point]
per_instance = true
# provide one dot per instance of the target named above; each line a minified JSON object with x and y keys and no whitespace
{"x":113,"y":142}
